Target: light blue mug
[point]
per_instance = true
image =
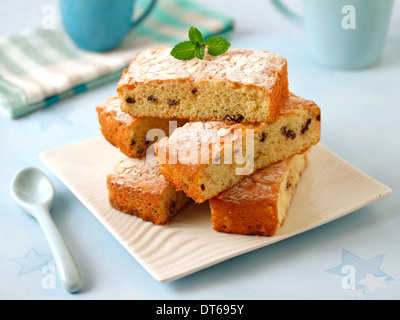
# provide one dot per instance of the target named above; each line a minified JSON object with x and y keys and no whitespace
{"x":344,"y":34}
{"x":100,"y":25}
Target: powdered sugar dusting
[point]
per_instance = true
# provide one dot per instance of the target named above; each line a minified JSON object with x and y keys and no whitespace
{"x":244,"y":66}
{"x":139,"y":173}
{"x":112,"y":106}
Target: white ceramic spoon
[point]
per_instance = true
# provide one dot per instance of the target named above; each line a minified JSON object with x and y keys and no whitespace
{"x":34,"y":193}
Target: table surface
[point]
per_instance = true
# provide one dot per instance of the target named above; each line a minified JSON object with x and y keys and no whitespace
{"x":360,"y":123}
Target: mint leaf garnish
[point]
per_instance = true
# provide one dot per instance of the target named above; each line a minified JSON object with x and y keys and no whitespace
{"x":217,"y":45}
{"x":199,"y":52}
{"x":183,"y":51}
{"x":187,"y":50}
{"x":195,"y":36}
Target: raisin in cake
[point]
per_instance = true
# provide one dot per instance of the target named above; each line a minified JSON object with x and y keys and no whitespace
{"x":137,"y":187}
{"x":258,"y":204}
{"x":241,"y":85}
{"x":206,"y":158}
{"x":127,"y":133}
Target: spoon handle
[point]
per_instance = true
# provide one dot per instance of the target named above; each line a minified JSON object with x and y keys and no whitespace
{"x":67,"y":267}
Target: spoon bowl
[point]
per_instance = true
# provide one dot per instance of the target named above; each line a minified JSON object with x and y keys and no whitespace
{"x":33,"y":191}
{"x":32,"y":188}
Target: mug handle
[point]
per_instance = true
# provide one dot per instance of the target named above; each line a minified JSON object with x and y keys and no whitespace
{"x":145,"y":13}
{"x":295,"y":18}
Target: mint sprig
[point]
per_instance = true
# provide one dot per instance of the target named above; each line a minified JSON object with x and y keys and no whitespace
{"x":196,"y":47}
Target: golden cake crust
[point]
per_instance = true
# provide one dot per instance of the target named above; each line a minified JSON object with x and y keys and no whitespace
{"x":137,"y":187}
{"x":115,"y":124}
{"x":252,"y":206}
{"x":128,"y":133}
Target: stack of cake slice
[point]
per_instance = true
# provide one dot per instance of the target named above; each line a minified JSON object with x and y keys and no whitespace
{"x":241,"y":139}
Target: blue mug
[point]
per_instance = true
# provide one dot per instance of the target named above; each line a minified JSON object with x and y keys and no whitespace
{"x":100,"y":25}
{"x":343,"y":34}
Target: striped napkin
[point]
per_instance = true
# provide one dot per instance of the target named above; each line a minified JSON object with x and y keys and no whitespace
{"x":39,"y":67}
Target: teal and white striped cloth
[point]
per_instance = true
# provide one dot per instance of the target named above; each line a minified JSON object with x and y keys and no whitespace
{"x":40,"y":67}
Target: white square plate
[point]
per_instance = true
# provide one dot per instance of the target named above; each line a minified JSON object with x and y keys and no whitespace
{"x":329,"y":189}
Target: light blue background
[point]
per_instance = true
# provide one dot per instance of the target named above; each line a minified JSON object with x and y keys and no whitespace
{"x":360,"y":112}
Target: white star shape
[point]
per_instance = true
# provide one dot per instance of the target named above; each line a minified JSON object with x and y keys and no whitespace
{"x":372,"y":282}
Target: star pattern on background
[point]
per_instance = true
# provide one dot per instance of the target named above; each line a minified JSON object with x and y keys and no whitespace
{"x":368,"y":273}
{"x":372,"y":283}
{"x":32,"y":261}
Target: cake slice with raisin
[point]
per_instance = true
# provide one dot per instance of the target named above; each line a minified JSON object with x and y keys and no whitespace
{"x":241,"y":85}
{"x":206,"y":158}
{"x":137,"y":187}
{"x":127,"y":133}
{"x":258,"y":204}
